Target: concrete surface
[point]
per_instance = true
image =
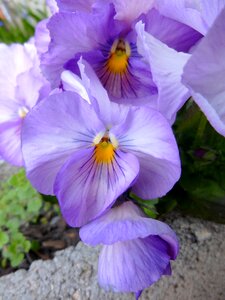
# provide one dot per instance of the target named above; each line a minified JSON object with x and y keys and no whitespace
{"x":198,"y":273}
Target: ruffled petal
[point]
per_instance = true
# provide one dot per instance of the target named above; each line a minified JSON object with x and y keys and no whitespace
{"x":10,"y":142}
{"x":131,"y":266}
{"x":199,"y":15}
{"x":147,"y":134}
{"x":52,"y":131}
{"x":205,"y":72}
{"x":85,"y":188}
{"x":183,"y":12}
{"x":29,"y":85}
{"x":14,"y":59}
{"x":167,"y":67}
{"x":127,"y":222}
{"x":66,"y":42}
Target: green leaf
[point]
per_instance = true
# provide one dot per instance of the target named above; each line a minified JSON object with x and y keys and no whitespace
{"x":13,"y":224}
{"x":4,"y":239}
{"x":16,"y":259}
{"x":34,"y":205}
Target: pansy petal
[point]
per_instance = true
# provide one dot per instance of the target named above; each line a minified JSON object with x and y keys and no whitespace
{"x":126,"y":222}
{"x":28,"y":87}
{"x":137,"y":250}
{"x":9,"y":109}
{"x":174,"y":34}
{"x":199,"y":15}
{"x":147,"y":134}
{"x":10,"y":142}
{"x":53,"y":130}
{"x":211,"y":10}
{"x":72,"y":6}
{"x":167,"y":67}
{"x":184,"y":12}
{"x":85,"y":188}
{"x":92,"y":83}
{"x":15,"y":59}
{"x":72,"y":82}
{"x":42,"y":37}
{"x":129,"y":10}
{"x":131,"y":266}
{"x":205,"y":72}
{"x":66,"y":42}
{"x":157,"y":176}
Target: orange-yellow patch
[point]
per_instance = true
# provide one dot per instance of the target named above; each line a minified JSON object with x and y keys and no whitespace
{"x":119,"y":56}
{"x":104,"y":152}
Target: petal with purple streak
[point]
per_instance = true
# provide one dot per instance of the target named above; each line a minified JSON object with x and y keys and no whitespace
{"x":147,"y":134}
{"x":126,"y":222}
{"x":85,"y":188}
{"x":174,"y":34}
{"x":137,"y":250}
{"x":52,"y":131}
{"x":132,"y":266}
{"x":66,"y":42}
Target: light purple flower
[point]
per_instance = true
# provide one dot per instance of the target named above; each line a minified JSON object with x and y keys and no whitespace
{"x":107,"y":39}
{"x":21,"y":86}
{"x":136,"y":250}
{"x":204,"y":74}
{"x":88,"y":155}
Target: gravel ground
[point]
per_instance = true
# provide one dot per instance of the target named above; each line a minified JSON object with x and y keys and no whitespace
{"x":198,"y":273}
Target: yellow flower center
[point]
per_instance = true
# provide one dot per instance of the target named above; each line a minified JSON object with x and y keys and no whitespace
{"x":104,"y":148}
{"x":119,"y":55}
{"x":22,"y":112}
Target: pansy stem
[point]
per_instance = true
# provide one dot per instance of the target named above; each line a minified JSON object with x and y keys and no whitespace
{"x":200,"y":130}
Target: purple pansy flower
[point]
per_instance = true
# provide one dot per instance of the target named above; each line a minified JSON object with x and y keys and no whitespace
{"x":89,"y":154}
{"x":204,"y":74}
{"x":107,"y":39}
{"x":21,"y":86}
{"x":136,"y":250}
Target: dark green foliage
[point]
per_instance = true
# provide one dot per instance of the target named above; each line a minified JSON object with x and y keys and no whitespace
{"x":201,"y":189}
